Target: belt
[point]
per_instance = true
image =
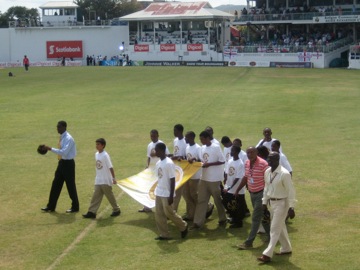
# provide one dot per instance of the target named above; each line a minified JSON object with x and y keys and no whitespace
{"x":256,"y":192}
{"x":275,"y":199}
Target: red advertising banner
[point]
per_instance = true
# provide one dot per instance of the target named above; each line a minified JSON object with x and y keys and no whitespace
{"x":167,"y":47}
{"x":68,"y":49}
{"x":141,"y":48}
{"x":194,"y":47}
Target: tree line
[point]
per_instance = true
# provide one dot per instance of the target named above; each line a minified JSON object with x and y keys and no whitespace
{"x":105,"y":9}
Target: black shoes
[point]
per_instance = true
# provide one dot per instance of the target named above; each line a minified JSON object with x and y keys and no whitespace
{"x":47,"y":209}
{"x":115,"y":214}
{"x":72,"y":210}
{"x":222,"y":223}
{"x":184,"y":232}
{"x":89,"y":215}
{"x":236,"y":225}
{"x":162,"y":238}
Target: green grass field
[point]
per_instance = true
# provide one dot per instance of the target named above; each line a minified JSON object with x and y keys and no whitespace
{"x":313,"y":112}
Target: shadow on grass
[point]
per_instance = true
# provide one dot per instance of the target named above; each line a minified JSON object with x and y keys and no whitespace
{"x":144,"y":220}
{"x":279,"y":262}
{"x":62,"y":218}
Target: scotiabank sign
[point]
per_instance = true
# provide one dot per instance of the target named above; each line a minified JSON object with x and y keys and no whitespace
{"x":141,"y":48}
{"x":68,"y":49}
{"x":167,"y":47}
{"x":194,"y":47}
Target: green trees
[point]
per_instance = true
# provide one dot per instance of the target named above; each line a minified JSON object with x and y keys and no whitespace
{"x":18,"y":13}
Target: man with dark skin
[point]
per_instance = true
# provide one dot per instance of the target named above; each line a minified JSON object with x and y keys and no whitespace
{"x":267,"y":140}
{"x":65,"y":171}
{"x":279,"y":193}
{"x":255,"y":168}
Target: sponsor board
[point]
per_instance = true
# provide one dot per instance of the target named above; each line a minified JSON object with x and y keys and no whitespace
{"x":162,"y":63}
{"x":185,"y":63}
{"x":167,"y":47}
{"x":68,"y":49}
{"x":337,"y":19}
{"x":194,"y":47}
{"x":141,"y":48}
{"x":42,"y":64}
{"x":205,"y":64}
{"x":291,"y":64}
{"x":249,"y":64}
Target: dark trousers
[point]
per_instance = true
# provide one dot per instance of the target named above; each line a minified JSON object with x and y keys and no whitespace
{"x":65,"y":172}
{"x":235,"y":206}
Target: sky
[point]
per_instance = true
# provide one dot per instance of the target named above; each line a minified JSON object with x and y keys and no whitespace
{"x":6,"y":4}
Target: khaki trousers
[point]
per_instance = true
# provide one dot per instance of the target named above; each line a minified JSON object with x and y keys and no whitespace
{"x":177,"y":198}
{"x":207,"y":189}
{"x":278,"y":231}
{"x":190,"y":194}
{"x":163,"y":211}
{"x":99,"y":192}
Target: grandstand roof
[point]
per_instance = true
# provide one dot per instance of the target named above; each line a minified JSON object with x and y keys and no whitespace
{"x":59,"y":4}
{"x":177,"y":11}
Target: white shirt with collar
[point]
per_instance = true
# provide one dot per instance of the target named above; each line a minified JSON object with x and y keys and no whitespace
{"x":278,"y":185}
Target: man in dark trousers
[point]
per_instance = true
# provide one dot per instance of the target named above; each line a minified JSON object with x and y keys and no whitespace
{"x":65,"y":172}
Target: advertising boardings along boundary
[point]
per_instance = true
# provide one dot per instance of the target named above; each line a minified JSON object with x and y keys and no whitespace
{"x":67,"y":49}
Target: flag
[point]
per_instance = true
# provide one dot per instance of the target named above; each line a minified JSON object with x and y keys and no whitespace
{"x":141,"y":186}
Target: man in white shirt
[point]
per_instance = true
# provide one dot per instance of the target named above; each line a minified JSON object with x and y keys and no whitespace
{"x":279,"y":193}
{"x":267,"y":140}
{"x":164,"y":192}
{"x":211,"y":178}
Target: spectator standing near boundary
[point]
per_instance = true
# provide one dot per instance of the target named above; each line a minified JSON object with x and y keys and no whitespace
{"x":105,"y":178}
{"x":26,"y":63}
{"x":279,"y":193}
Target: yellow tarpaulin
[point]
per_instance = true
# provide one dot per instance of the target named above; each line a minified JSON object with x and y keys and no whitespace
{"x":142,"y":185}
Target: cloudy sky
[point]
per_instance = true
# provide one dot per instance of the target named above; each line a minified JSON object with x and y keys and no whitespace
{"x":6,"y":4}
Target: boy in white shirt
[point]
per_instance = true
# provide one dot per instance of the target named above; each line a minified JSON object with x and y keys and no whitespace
{"x":227,"y":144}
{"x":234,"y":172}
{"x":275,"y":147}
{"x":164,"y":192}
{"x":152,"y":158}
{"x":179,"y":154}
{"x":105,"y":178}
{"x":212,"y":175}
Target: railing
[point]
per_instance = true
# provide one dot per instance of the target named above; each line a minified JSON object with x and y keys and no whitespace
{"x":61,"y":24}
{"x":262,"y":48}
{"x":291,"y":16}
